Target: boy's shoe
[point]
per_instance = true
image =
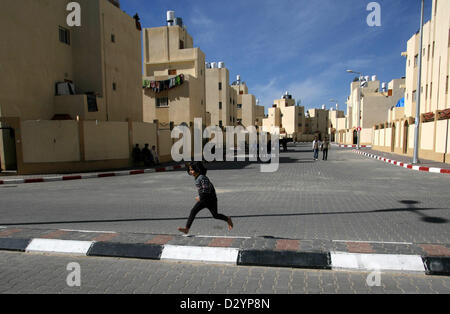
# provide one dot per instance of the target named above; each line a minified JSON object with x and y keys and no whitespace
{"x":230,"y":223}
{"x":184,"y":230}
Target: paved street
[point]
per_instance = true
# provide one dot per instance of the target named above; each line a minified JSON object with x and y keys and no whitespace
{"x":38,"y":273}
{"x":349,"y":197}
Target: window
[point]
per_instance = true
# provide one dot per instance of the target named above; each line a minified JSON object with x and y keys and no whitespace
{"x":181,"y":44}
{"x":220,"y":123}
{"x":113,"y":38}
{"x":241,"y":92}
{"x":64,"y":35}
{"x":172,"y":72}
{"x":220,"y":86}
{"x":162,"y":102}
{"x":414,"y":96}
{"x":416,"y":60}
{"x":299,"y":125}
{"x":434,"y":45}
{"x":431,"y":90}
{"x":429,"y":50}
{"x":239,"y":106}
{"x":114,"y":86}
{"x":220,"y":105}
{"x":426,"y":91}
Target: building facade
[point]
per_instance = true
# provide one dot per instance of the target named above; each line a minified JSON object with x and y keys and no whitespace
{"x":66,"y":86}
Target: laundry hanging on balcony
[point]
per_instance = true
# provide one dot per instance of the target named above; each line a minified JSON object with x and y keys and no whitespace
{"x":159,"y":86}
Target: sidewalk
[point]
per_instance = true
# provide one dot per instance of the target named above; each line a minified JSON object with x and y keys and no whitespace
{"x":431,"y":259}
{"x":9,"y":177}
{"x":406,"y":162}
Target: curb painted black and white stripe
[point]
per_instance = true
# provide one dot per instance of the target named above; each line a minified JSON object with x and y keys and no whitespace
{"x":91,"y":175}
{"x":234,"y":256}
{"x":405,"y":165}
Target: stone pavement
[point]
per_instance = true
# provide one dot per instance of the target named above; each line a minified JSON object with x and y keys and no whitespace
{"x":42,"y":274}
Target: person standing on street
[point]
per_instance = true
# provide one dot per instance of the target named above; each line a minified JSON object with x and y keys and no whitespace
{"x":315,"y":147}
{"x":325,"y":147}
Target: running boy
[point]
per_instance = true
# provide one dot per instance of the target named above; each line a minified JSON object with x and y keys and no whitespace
{"x":207,"y":196}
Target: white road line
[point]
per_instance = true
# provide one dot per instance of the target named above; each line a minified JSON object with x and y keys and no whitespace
{"x":378,"y":242}
{"x":201,"y":254}
{"x":59,"y":246}
{"x":340,"y":260}
{"x":87,"y":231}
{"x":225,"y":237}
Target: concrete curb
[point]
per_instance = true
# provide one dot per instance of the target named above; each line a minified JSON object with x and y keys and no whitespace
{"x":405,"y":165}
{"x":240,"y":257}
{"x":90,"y":175}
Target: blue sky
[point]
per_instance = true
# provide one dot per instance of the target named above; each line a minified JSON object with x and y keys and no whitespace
{"x":300,"y":46}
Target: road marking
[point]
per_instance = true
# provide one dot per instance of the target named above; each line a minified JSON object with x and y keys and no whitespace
{"x":201,"y":254}
{"x":86,"y":231}
{"x":379,"y":242}
{"x":59,"y":246}
{"x":341,"y":260}
{"x":225,"y":237}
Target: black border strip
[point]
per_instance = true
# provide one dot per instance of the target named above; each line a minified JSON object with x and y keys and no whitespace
{"x":284,"y":259}
{"x":14,"y":244}
{"x":128,"y":250}
{"x":437,"y":265}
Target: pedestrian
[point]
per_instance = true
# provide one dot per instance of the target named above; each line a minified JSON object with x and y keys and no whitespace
{"x":325,"y":147}
{"x":207,"y":196}
{"x":316,"y":146}
{"x":147,"y":156}
{"x":155,"y":155}
{"x":136,"y":155}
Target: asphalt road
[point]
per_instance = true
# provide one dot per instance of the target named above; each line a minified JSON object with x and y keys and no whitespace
{"x":348,"y":197}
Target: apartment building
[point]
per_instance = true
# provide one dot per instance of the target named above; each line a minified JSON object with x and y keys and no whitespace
{"x":396,"y":133}
{"x":374,"y":100}
{"x":335,"y":117}
{"x":246,"y":104}
{"x":70,"y":96}
{"x":317,"y":122}
{"x":174,"y":76}
{"x":287,"y":116}
{"x":221,"y":98}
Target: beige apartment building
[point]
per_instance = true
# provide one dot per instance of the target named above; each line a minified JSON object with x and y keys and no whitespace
{"x":221,"y":98}
{"x":174,"y":78}
{"x":70,"y":96}
{"x":317,"y":121}
{"x":246,"y":104}
{"x":374,"y":100}
{"x":396,"y":132}
{"x":335,"y":118}
{"x":287,"y":116}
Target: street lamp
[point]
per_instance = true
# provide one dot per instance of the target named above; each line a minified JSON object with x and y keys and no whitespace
{"x":359,"y":107}
{"x":419,"y":83}
{"x":336,"y":135}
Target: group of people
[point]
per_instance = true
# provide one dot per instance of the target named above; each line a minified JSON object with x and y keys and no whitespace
{"x":323,"y":146}
{"x":146,"y":156}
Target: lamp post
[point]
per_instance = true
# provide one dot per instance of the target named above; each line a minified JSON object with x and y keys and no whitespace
{"x":359,"y":107}
{"x":336,"y":135}
{"x":419,"y":83}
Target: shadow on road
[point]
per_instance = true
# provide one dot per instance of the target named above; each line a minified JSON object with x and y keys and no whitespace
{"x":410,"y":209}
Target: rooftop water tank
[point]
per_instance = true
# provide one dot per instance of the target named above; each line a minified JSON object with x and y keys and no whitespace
{"x":170,"y":18}
{"x":213,"y":65}
{"x":374,"y":78}
{"x":179,"y":22}
{"x":207,"y":65}
{"x":238,"y":78}
{"x":221,"y":65}
{"x":384,"y":87}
